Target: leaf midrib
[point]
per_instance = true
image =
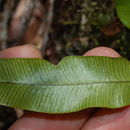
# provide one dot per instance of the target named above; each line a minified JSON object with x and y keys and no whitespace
{"x":68,"y":84}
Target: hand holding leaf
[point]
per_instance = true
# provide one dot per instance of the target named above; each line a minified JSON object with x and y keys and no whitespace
{"x":111,"y":118}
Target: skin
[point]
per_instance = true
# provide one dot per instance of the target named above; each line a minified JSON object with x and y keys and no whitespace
{"x":89,"y":119}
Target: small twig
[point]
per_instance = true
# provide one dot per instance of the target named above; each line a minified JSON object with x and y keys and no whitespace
{"x":4,"y":20}
{"x":45,"y":26}
{"x":29,"y":6}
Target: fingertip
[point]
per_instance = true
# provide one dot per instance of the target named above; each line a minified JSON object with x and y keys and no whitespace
{"x":24,"y":51}
{"x":42,"y":121}
{"x":102,"y":51}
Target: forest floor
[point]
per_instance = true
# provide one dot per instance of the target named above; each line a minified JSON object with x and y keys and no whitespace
{"x":79,"y":26}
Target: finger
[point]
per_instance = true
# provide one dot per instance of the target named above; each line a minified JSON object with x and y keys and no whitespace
{"x":21,"y":51}
{"x":108,"y":119}
{"x":42,"y":121}
{"x":102,"y":51}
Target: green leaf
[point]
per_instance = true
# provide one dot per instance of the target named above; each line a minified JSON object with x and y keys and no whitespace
{"x":74,"y":84}
{"x":123,"y":11}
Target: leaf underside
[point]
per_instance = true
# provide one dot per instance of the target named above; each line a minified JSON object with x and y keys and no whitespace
{"x":123,"y":11}
{"x":74,"y":84}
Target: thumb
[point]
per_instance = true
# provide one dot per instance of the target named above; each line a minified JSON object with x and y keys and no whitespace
{"x":26,"y":51}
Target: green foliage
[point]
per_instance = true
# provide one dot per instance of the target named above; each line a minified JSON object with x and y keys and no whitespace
{"x":123,"y":10}
{"x":74,"y":84}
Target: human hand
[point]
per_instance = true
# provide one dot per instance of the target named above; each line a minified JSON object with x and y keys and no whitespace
{"x":89,"y":119}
